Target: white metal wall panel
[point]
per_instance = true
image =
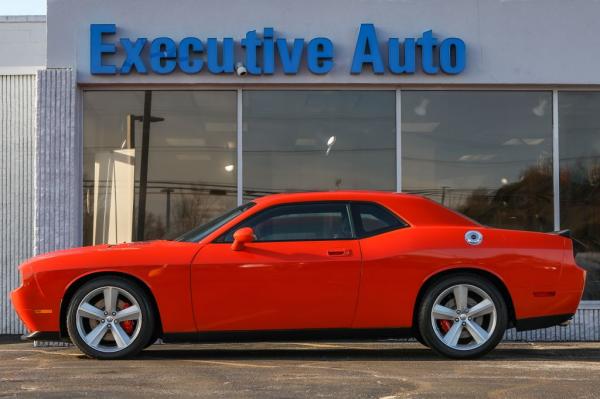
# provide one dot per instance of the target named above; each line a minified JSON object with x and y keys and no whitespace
{"x":17,"y":168}
{"x":58,"y":179}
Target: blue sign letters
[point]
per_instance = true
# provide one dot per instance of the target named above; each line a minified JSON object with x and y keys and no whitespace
{"x":264,"y":53}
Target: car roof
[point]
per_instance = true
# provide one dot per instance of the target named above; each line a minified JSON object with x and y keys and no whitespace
{"x":415,"y":209}
{"x":342,"y":195}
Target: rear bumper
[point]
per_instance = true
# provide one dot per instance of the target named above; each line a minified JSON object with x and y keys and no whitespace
{"x":534,"y":323}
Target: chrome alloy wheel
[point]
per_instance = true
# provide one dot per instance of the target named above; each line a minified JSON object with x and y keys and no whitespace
{"x":463,"y":317}
{"x":109,"y":319}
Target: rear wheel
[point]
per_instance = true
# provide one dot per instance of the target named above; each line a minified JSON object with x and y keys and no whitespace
{"x":110,"y":318}
{"x":462,"y":316}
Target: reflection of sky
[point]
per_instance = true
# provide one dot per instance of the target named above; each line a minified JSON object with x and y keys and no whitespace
{"x":579,"y":133}
{"x":286,"y":135}
{"x":452,"y":141}
{"x":469,"y":139}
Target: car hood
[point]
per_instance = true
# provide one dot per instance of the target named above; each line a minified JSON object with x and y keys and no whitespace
{"x":89,"y":250}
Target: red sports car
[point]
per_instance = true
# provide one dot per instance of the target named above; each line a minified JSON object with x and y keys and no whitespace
{"x":307,"y":266}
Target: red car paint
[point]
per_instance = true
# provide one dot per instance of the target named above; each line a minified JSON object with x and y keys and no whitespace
{"x":372,"y":282}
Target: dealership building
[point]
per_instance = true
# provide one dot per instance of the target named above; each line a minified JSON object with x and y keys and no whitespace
{"x":138,"y":120}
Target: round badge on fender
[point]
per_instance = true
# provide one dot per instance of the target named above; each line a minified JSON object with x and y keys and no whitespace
{"x":473,"y":237}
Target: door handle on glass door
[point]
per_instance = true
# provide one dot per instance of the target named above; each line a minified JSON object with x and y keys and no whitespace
{"x":339,"y":252}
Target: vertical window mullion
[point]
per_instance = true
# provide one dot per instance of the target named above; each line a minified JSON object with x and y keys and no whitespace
{"x":555,"y":160}
{"x":398,"y":140}
{"x":240,"y":167}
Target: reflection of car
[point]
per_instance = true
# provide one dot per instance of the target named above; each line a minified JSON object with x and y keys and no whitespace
{"x":307,"y":266}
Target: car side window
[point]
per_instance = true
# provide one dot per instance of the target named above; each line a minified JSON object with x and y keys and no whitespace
{"x":371,"y":219}
{"x":299,"y":222}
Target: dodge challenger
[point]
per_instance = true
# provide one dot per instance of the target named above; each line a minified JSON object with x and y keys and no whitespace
{"x":307,"y":266}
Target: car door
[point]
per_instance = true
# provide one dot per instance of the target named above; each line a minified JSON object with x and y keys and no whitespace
{"x":302,"y":271}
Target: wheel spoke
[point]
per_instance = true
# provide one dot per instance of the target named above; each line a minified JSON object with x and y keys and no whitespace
{"x":121,"y":337}
{"x":443,"y":312}
{"x":482,"y":308}
{"x":96,"y":335}
{"x":478,"y":333}
{"x":130,"y":313}
{"x":110,"y":299}
{"x":461,"y":292}
{"x":89,"y":311}
{"x":452,"y":336}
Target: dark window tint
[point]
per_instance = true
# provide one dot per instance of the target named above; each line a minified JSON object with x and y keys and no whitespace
{"x":371,"y":219}
{"x":300,"y":222}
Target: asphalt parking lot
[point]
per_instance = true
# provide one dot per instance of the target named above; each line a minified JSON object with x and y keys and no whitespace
{"x":304,"y":370}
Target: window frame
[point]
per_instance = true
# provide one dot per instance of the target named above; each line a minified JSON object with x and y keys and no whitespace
{"x":221,"y":238}
{"x":353,"y":208}
{"x":349,"y":212}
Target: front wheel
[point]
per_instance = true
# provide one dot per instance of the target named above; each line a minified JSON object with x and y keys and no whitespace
{"x":463,"y":316}
{"x":110,"y":318}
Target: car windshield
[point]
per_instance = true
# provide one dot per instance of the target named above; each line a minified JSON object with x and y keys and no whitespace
{"x":198,"y":233}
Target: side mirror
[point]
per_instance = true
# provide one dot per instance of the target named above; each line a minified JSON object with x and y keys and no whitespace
{"x":242,"y":237}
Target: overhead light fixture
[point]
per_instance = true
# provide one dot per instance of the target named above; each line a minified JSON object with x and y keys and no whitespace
{"x":421,"y":109}
{"x":540,"y":109}
{"x":504,"y":180}
{"x":521,"y":141}
{"x":476,"y":157}
{"x":229,"y":168}
{"x":533,"y":141}
{"x":330,"y":144}
{"x":418,"y":127}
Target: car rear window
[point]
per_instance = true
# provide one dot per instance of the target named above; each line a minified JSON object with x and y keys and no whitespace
{"x":371,"y":219}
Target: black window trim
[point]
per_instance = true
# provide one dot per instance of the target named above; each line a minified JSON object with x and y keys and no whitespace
{"x":349,"y":212}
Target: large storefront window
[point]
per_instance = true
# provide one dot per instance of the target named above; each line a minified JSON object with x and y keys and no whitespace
{"x":156,"y":163}
{"x":579,"y":139}
{"x":318,"y":140}
{"x":487,"y":154}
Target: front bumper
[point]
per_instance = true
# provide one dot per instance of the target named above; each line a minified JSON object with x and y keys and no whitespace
{"x":34,"y":310}
{"x":44,"y":336}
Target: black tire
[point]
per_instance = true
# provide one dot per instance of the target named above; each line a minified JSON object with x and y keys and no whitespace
{"x":419,"y":338}
{"x":146,"y":329}
{"x":426,"y":327}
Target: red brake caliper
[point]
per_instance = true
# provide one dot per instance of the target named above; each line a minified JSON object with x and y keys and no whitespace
{"x":127,"y":325}
{"x":445,"y":325}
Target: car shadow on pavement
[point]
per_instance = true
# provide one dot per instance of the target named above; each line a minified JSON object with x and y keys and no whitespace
{"x":368,"y":354}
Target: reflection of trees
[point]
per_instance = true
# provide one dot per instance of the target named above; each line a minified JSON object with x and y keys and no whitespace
{"x":580,"y":212}
{"x":526,"y":204}
{"x":154,"y":228}
{"x":192,"y":210}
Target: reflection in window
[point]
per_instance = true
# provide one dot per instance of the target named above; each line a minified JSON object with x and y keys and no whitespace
{"x":318,"y":140}
{"x":160,"y":178}
{"x":579,"y":138}
{"x":299,"y":222}
{"x":487,"y":154}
